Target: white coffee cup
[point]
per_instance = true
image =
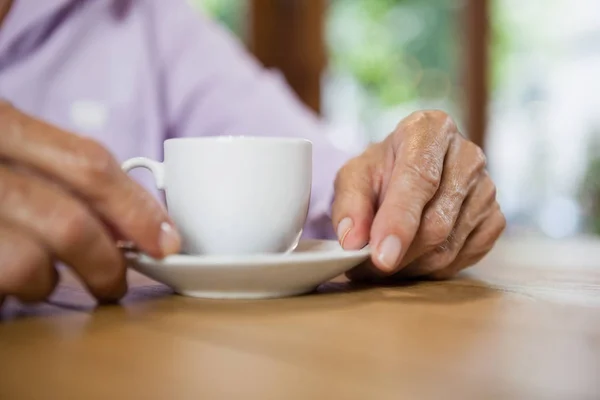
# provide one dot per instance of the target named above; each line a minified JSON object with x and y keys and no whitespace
{"x":235,"y":195}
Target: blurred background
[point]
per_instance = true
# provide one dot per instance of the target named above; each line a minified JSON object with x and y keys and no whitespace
{"x":522,"y":79}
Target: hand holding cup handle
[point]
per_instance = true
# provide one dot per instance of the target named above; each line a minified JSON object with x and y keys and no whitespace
{"x":73,"y":202}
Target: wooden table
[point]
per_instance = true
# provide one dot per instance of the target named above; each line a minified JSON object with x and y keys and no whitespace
{"x":525,"y":324}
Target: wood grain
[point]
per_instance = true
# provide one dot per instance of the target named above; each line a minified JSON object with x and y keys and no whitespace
{"x":525,"y":324}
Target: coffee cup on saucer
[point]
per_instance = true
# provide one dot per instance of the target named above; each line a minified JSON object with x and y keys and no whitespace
{"x":240,"y":204}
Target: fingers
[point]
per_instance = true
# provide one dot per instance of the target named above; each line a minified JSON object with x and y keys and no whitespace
{"x":463,"y":172}
{"x":477,"y":245}
{"x":66,"y":227}
{"x":26,"y":269}
{"x":479,"y":225}
{"x":353,"y":205}
{"x":88,"y":169}
{"x":479,"y":204}
{"x":415,"y":179}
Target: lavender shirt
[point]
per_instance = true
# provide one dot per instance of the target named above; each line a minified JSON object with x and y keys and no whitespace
{"x":131,"y":73}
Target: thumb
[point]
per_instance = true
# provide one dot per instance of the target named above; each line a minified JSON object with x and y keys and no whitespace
{"x":353,"y":207}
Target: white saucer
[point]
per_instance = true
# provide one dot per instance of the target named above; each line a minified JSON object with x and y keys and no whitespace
{"x":256,"y":276}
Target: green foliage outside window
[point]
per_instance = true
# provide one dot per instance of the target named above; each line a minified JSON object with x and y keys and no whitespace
{"x":397,"y":50}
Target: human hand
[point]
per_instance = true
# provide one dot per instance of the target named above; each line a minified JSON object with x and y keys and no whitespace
{"x":421,"y":198}
{"x":64,"y":198}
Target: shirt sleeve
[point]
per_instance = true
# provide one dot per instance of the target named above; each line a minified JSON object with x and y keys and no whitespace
{"x":213,"y":86}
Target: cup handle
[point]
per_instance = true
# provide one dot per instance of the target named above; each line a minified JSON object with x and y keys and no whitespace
{"x":157,"y":168}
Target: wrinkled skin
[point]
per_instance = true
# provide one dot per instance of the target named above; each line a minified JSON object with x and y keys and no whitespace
{"x":64,"y":198}
{"x":426,"y":190}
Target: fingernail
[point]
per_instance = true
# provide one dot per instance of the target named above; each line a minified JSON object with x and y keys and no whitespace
{"x":170,"y":241}
{"x":389,"y":252}
{"x":344,"y":227}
